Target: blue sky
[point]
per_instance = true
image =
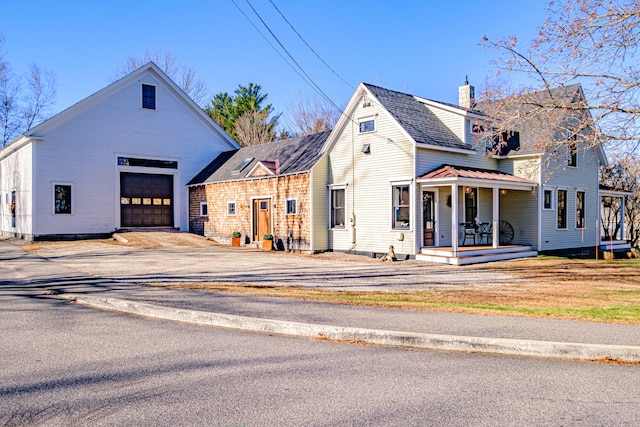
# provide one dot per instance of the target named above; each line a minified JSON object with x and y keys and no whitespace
{"x":421,"y":47}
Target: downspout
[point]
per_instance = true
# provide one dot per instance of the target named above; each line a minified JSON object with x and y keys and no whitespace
{"x":352,"y":217}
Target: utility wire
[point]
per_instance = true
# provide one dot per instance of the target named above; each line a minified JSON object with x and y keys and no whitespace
{"x":307,"y":44}
{"x":306,"y":78}
{"x":269,"y":42}
{"x":314,"y":85}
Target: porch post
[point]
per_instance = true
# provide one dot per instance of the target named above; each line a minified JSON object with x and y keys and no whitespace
{"x":495,"y":239}
{"x":622,"y":208}
{"x":454,"y":219}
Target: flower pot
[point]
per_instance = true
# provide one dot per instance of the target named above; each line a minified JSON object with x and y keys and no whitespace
{"x":267,"y":245}
{"x":235,"y":241}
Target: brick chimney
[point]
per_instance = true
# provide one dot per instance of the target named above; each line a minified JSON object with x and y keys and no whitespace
{"x":466,"y":94}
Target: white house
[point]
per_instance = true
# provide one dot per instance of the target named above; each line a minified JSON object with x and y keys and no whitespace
{"x":120,"y":158}
{"x":407,"y":171}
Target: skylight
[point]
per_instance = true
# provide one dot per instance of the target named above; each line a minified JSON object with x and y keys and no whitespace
{"x":242,"y":165}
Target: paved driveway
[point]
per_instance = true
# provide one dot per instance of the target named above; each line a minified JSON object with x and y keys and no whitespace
{"x":180,"y":257}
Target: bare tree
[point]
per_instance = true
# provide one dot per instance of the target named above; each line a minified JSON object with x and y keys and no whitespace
{"x":183,"y":75}
{"x":22,"y":106}
{"x":310,"y":114}
{"x":254,"y":127}
{"x":40,"y":95}
{"x":591,"y":42}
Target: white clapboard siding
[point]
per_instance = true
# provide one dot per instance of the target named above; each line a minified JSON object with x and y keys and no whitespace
{"x":80,"y":147}
{"x":15,"y":176}
{"x":584,"y":177}
{"x":369,"y":179}
{"x":320,"y":206}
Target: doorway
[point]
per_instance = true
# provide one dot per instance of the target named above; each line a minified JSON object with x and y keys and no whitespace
{"x":261,"y":218}
{"x":429,"y":218}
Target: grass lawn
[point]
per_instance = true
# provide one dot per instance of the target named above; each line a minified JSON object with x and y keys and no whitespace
{"x":561,"y":288}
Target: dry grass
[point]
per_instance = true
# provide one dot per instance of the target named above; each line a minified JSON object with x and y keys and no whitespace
{"x":604,"y":291}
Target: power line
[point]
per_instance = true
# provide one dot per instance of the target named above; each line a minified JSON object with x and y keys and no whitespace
{"x":312,"y":83}
{"x":307,"y":44}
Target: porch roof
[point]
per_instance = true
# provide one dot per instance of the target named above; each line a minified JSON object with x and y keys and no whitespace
{"x":449,"y":174}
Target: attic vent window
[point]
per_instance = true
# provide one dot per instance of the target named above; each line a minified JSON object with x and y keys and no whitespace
{"x":243,"y":164}
{"x":367,"y":126}
{"x":149,"y":97}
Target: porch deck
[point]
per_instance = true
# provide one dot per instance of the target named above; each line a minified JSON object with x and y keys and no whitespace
{"x":474,"y":254}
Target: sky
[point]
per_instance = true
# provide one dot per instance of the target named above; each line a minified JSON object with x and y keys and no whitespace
{"x":421,"y":47}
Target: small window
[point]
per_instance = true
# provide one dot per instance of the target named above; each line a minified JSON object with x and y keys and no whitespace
{"x":367,"y":126}
{"x":548,"y":200}
{"x":401,"y":207}
{"x":338,"y":207}
{"x":562,"y":209}
{"x":62,"y":199}
{"x":204,"y":209}
{"x":573,"y":153}
{"x":231,"y":208}
{"x":149,"y":97}
{"x":292,"y":206}
{"x":580,"y":209}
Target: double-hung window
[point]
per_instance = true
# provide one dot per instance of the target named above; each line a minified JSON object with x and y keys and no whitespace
{"x":548,"y":200}
{"x":338,"y":207}
{"x":580,"y":209}
{"x":401,"y":207}
{"x":148,"y":97}
{"x":562,"y":209}
{"x":292,"y":206}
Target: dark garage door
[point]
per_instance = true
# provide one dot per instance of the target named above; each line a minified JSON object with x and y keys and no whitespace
{"x":146,"y":200}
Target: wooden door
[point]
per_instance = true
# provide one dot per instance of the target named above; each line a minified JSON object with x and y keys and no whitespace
{"x":429,"y":220}
{"x":261,"y":218}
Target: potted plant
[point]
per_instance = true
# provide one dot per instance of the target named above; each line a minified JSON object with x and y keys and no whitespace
{"x":235,"y":238}
{"x":267,"y":242}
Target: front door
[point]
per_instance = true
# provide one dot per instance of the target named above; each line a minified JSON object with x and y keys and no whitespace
{"x":429,"y":218}
{"x":261,"y":218}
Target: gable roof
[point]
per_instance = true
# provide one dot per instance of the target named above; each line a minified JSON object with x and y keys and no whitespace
{"x":293,"y":156}
{"x":417,"y":119}
{"x":134,"y":76}
{"x":530,"y":117}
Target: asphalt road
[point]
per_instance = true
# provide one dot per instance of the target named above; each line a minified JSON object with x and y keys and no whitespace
{"x":65,"y":364}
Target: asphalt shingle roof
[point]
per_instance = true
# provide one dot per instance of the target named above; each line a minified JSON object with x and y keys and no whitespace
{"x":417,"y":119}
{"x":295,"y":155}
{"x":530,"y":119}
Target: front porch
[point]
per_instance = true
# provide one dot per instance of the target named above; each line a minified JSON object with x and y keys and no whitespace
{"x":471,"y":216}
{"x":466,"y":255}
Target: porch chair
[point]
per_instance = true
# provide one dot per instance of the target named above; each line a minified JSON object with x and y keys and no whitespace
{"x":470,"y":230}
{"x":486,"y":232}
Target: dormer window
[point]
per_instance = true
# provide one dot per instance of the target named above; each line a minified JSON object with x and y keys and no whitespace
{"x":148,"y":97}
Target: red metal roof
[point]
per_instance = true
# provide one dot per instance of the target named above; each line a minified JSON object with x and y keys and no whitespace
{"x":448,"y":171}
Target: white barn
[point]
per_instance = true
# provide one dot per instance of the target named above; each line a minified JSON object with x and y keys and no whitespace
{"x":120,"y":158}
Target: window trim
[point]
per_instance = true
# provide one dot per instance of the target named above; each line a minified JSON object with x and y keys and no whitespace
{"x":295,"y":206}
{"x":363,"y":120}
{"x":146,"y":98}
{"x":333,"y":188}
{"x":572,"y":152}
{"x":55,"y":184}
{"x":583,"y":211}
{"x":565,"y":208}
{"x":409,"y":205}
{"x":204,"y":209}
{"x":235,"y":211}
{"x":551,"y":199}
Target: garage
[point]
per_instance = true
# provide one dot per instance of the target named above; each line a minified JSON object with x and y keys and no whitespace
{"x":146,"y":200}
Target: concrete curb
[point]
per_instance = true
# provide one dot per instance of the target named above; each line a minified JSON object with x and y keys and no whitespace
{"x":516,"y":347}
